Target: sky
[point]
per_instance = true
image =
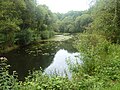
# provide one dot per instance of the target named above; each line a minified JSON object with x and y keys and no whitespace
{"x":63,"y":6}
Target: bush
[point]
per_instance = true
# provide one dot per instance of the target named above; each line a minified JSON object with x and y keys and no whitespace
{"x":101,"y":61}
{"x":51,"y":34}
{"x":47,"y":34}
{"x":24,"y":37}
{"x":7,"y":82}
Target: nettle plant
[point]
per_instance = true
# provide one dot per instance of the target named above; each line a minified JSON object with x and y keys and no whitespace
{"x":7,"y":82}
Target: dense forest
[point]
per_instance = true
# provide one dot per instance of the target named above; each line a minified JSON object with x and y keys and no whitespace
{"x":23,"y":22}
{"x":97,"y":39}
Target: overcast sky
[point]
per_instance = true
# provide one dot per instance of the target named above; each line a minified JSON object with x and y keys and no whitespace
{"x":64,"y":6}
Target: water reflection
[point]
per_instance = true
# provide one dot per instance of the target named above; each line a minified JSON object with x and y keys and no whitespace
{"x":50,"y":56}
{"x":21,"y":62}
{"x":59,"y":65}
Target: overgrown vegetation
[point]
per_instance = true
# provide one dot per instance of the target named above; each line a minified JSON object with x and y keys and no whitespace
{"x":99,"y":71}
{"x":98,"y":45}
{"x":101,"y":62}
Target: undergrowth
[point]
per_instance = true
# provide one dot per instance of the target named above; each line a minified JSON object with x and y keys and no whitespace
{"x":100,"y":69}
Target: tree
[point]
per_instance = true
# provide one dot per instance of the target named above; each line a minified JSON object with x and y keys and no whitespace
{"x":117,"y":21}
{"x":9,"y":22}
{"x":106,"y":19}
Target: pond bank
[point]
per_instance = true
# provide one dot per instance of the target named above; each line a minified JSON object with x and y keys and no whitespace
{"x":62,"y":37}
{"x":8,"y":49}
{"x":59,"y":38}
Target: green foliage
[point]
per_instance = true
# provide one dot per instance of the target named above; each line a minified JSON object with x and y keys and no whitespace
{"x":39,"y":81}
{"x":73,"y":21}
{"x":99,"y":70}
{"x":22,"y":22}
{"x":105,"y":16}
{"x":9,"y":22}
{"x":47,"y":34}
{"x":101,"y":62}
{"x":7,"y":82}
{"x":114,"y":87}
{"x":24,"y":37}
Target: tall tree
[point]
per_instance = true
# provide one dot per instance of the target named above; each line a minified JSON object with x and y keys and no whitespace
{"x":9,"y":23}
{"x":117,"y":21}
{"x":106,"y":19}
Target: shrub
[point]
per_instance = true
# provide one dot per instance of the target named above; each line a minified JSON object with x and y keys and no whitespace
{"x":47,"y":34}
{"x":24,"y":37}
{"x":7,"y":82}
{"x":101,"y":61}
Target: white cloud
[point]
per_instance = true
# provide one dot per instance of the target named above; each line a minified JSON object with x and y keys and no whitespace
{"x":64,"y":6}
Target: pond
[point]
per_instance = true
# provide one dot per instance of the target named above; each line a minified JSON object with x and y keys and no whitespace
{"x":51,"y":56}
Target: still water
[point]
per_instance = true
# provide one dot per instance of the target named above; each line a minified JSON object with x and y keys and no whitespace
{"x":51,"y":56}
